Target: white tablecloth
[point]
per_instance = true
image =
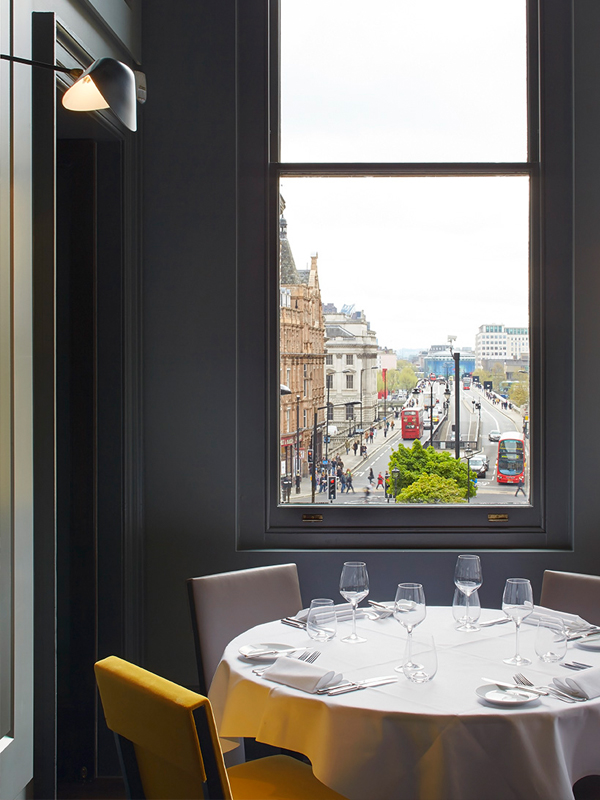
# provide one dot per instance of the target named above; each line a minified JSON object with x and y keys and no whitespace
{"x":405,"y":741}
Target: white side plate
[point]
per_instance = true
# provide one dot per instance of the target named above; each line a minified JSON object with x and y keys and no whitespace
{"x":248,"y":651}
{"x":505,"y":697}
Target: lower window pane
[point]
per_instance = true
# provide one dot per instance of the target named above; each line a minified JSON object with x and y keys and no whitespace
{"x":402,"y":300}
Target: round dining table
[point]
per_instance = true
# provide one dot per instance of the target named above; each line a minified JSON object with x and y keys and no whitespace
{"x":405,"y":741}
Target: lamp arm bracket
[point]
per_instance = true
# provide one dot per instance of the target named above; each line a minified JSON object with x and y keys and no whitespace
{"x":74,"y":73}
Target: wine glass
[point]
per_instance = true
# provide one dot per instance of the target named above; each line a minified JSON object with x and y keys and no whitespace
{"x":517,"y":603}
{"x":409,"y":610}
{"x":354,"y":587}
{"x":467,"y":579}
{"x":459,"y":605}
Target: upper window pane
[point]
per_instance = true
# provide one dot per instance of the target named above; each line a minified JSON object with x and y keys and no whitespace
{"x":403,"y":81}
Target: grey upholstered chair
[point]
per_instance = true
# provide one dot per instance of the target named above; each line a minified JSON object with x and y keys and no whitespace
{"x":573,"y":593}
{"x":227,"y":604}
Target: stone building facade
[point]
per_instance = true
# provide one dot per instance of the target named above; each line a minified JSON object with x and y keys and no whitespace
{"x":351,"y":371}
{"x":302,"y":359}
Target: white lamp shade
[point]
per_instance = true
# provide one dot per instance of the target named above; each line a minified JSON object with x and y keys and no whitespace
{"x":107,"y":83}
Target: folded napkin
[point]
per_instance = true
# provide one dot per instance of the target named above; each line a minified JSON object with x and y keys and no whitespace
{"x":586,"y":684}
{"x":300,"y":675}
{"x":342,"y":611}
{"x":571,"y":621}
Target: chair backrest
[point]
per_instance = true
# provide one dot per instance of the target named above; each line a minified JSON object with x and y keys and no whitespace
{"x":175,"y":743}
{"x":573,"y":593}
{"x":227,"y":604}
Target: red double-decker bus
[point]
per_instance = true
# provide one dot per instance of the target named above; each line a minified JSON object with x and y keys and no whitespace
{"x":412,"y":422}
{"x":511,"y":458}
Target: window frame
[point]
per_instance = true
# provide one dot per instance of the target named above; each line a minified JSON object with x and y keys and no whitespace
{"x":261,"y":522}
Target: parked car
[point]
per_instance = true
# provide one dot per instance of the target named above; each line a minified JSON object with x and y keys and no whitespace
{"x":479,"y":465}
{"x":494,"y":436}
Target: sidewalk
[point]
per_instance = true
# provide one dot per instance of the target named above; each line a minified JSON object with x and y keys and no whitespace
{"x":356,"y":462}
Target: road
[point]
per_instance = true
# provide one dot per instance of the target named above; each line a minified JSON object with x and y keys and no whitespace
{"x":489,"y":492}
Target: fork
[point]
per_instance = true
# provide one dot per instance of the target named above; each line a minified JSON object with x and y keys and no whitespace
{"x":556,"y":693}
{"x":310,"y":656}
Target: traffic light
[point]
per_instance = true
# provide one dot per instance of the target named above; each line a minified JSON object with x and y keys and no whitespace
{"x":331,"y":484}
{"x":310,"y":456}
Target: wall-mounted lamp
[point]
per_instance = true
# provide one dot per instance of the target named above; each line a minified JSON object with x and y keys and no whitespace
{"x":107,"y":83}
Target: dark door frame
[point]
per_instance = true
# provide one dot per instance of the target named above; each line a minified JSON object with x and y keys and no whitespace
{"x":48,"y":39}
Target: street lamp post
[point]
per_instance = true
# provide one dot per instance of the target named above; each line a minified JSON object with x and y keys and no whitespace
{"x":384,"y":371}
{"x":396,"y":475}
{"x":297,"y":475}
{"x":456,"y":357}
{"x":321,"y":408}
{"x":468,"y":456}
{"x":431,"y":413}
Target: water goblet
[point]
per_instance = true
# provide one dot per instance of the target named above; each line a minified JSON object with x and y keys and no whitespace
{"x":321,"y":623}
{"x":463,"y":605}
{"x":517,"y":603}
{"x":467,"y":579}
{"x":409,"y":610}
{"x":551,"y":639}
{"x":354,"y":587}
{"x":424,"y":667}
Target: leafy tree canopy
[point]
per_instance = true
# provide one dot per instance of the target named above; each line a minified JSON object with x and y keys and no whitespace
{"x":431,"y":489}
{"x":415,"y":461}
{"x":519,"y":392}
{"x":407,"y":379}
{"x":498,"y":376}
{"x":392,"y":380}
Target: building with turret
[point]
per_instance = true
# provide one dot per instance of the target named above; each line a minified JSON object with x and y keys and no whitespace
{"x":302,"y":358}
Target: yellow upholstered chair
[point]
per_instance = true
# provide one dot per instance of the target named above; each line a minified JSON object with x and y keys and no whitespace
{"x":169,"y":748}
{"x":572,"y":592}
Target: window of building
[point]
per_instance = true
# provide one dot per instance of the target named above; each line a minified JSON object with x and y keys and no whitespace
{"x":329,"y":359}
{"x":349,"y":381}
{"x":513,"y":154}
{"x":329,"y":384}
{"x":349,"y":359}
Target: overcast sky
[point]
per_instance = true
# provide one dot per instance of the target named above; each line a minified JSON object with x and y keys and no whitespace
{"x":423,"y":257}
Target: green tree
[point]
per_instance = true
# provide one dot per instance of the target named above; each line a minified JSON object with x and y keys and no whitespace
{"x":431,"y":489}
{"x":519,"y":393}
{"x":498,"y":376}
{"x":412,"y":462}
{"x":392,"y":380}
{"x":407,"y":379}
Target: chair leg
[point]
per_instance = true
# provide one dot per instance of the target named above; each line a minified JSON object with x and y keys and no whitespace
{"x":129,"y":768}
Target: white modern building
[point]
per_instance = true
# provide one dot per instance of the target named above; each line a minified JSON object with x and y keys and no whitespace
{"x":500,"y":342}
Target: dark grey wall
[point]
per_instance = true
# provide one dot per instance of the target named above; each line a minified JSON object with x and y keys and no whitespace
{"x":189,"y":341}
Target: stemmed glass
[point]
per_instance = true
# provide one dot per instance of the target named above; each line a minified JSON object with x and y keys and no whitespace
{"x":517,"y":603}
{"x":467,"y":579}
{"x":354,"y":587}
{"x":409,"y":610}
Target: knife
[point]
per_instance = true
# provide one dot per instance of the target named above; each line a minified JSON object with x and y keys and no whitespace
{"x":499,"y":621}
{"x":367,"y":681}
{"x":531,"y":689}
{"x":295,"y":623}
{"x":591,"y":636}
{"x":355,"y":687}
